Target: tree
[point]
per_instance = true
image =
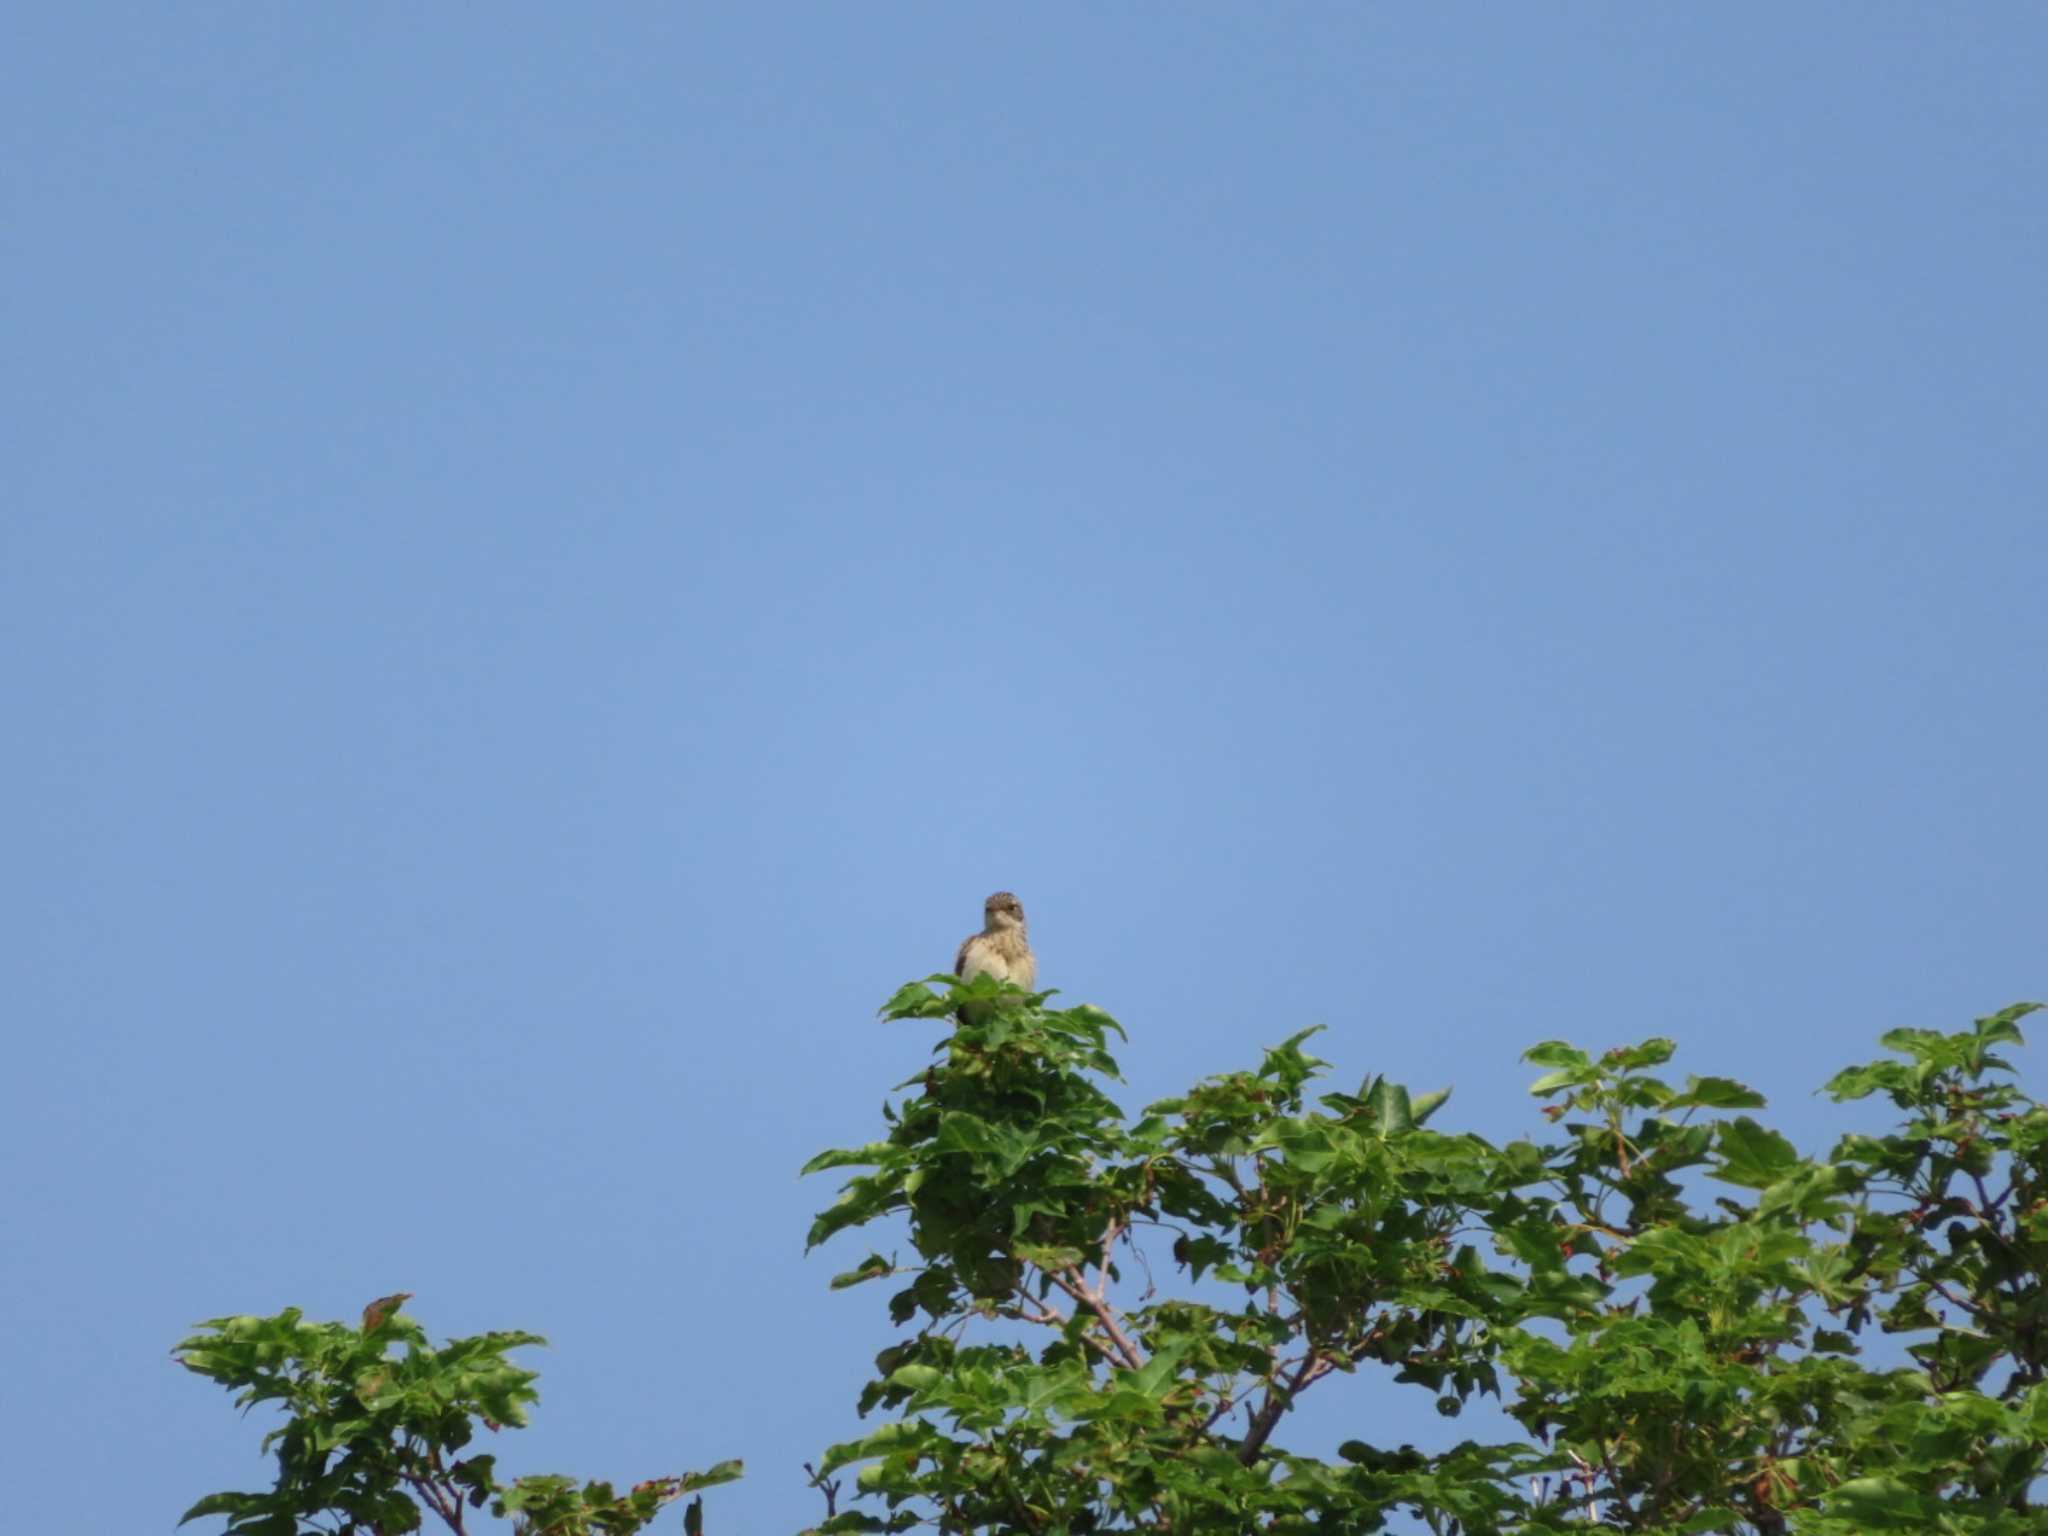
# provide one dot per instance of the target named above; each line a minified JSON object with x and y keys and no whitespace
{"x":1696,"y":1328}
{"x":376,"y":1423}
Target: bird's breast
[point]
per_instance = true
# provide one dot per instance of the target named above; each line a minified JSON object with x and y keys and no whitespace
{"x":990,"y":955}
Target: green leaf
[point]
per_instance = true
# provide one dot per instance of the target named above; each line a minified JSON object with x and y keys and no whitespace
{"x":231,"y":1504}
{"x":915,"y":1000}
{"x":1427,"y":1104}
{"x":722,"y":1472}
{"x":849,"y":1157}
{"x":861,"y":1201}
{"x":379,"y":1389}
{"x":873,"y":1267}
{"x":1650,"y":1053}
{"x":1288,"y":1064}
{"x":1861,"y":1082}
{"x":1556,"y":1053}
{"x":1752,"y":1156}
{"x":962,"y":1132}
{"x":479,"y":1475}
{"x":1716,"y":1093}
{"x":1157,"y":1375}
{"x":1927,"y":1045}
{"x":2002,"y":1027}
{"x":1882,"y":1504}
{"x":881,"y":1442}
{"x":1391,"y":1110}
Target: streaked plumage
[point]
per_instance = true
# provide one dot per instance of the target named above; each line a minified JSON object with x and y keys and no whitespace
{"x":1001,"y":949}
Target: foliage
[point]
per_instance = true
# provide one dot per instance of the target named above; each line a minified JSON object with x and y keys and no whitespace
{"x":1686,"y":1325}
{"x":377,"y":1420}
{"x":1681,"y":1360}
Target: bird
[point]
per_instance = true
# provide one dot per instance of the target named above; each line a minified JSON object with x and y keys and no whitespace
{"x":1001,"y":949}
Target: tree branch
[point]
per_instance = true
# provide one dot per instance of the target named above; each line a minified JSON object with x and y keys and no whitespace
{"x":431,"y":1486}
{"x":1075,"y":1283}
{"x":1278,"y":1401}
{"x":1052,"y":1317}
{"x":1047,"y":1313}
{"x":1224,"y":1403}
{"x":437,"y":1500}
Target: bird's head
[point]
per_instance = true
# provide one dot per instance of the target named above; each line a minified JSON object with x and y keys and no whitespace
{"x":1003,"y":910}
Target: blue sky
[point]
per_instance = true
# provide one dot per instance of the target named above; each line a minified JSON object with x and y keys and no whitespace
{"x":549,"y":558}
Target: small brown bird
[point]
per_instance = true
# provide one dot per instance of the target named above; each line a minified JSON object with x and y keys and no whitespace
{"x":1001,"y":949}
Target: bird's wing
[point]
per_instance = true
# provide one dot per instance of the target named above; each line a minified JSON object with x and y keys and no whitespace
{"x":960,"y":959}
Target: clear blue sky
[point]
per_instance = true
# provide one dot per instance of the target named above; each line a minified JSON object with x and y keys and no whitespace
{"x":550,"y":556}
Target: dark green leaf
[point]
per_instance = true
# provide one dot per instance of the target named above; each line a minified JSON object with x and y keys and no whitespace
{"x":1716,"y":1093}
{"x":1752,"y":1157}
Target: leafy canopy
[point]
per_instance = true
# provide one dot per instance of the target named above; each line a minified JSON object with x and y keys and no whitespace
{"x":1102,"y":1323}
{"x":377,"y":1423}
{"x":1676,"y":1307}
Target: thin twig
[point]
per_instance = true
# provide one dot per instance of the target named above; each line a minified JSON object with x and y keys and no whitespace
{"x":1953,"y":1299}
{"x":1586,"y":1476}
{"x":1047,"y":1313}
{"x":1109,"y":1237}
{"x":827,"y":1486}
{"x":1985,"y":1207}
{"x":1225,"y":1403}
